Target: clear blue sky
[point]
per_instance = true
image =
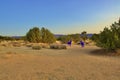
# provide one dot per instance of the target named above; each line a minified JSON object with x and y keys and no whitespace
{"x":60,"y":16}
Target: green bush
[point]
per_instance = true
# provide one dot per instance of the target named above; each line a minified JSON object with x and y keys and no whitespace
{"x":55,"y":46}
{"x":47,"y":36}
{"x":95,"y":37}
{"x":36,"y":47}
{"x":109,"y":38}
{"x":65,"y":38}
{"x":73,"y":37}
{"x":34,"y":35}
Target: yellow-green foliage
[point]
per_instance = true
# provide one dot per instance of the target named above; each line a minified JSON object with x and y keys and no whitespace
{"x":47,"y":36}
{"x":36,"y":35}
{"x":109,"y":38}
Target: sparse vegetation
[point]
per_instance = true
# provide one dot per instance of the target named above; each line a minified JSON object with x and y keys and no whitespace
{"x":36,"y":35}
{"x":56,"y":46}
{"x":28,"y":45}
{"x":36,"y":47}
{"x":71,"y":64}
{"x":64,"y":39}
{"x":109,"y":38}
{"x":95,"y":37}
{"x":84,"y":35}
{"x":46,"y":46}
{"x":47,"y":36}
{"x":73,"y":37}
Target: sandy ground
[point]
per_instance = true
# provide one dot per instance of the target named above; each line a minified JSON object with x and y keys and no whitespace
{"x":75,"y":63}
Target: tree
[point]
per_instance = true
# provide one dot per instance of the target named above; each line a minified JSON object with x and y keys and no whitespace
{"x":95,"y":37}
{"x":72,"y":37}
{"x":75,"y":37}
{"x":109,"y":38}
{"x":65,"y":38}
{"x":47,"y":36}
{"x":44,"y":35}
{"x":84,"y":35}
{"x":34,"y":35}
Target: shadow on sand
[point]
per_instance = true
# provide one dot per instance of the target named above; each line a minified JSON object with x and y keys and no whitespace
{"x":102,"y":52}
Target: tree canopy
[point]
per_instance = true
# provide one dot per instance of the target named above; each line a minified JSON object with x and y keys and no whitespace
{"x":36,"y":35}
{"x":47,"y":36}
{"x":109,"y":38}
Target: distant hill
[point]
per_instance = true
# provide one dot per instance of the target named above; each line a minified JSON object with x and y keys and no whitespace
{"x":59,"y":35}
{"x":89,"y":35}
{"x":16,"y":37}
{"x":56,"y":35}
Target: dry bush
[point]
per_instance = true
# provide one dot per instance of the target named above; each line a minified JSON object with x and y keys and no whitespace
{"x":56,"y":46}
{"x":45,"y":46}
{"x":29,"y":45}
{"x":15,"y":44}
{"x":36,"y":47}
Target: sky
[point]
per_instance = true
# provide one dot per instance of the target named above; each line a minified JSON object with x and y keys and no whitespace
{"x":59,"y":16}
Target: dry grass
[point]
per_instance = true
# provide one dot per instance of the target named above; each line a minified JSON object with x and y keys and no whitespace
{"x":56,"y":46}
{"x":36,"y":47}
{"x":75,"y":63}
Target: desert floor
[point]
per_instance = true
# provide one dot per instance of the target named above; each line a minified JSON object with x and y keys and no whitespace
{"x":75,"y":63}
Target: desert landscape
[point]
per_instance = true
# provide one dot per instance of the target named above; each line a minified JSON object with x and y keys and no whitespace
{"x":73,"y":63}
{"x":60,"y":40}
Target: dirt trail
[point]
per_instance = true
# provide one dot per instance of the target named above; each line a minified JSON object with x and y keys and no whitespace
{"x":75,"y":63}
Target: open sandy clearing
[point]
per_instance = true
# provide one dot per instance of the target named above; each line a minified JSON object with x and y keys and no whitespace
{"x":75,"y":63}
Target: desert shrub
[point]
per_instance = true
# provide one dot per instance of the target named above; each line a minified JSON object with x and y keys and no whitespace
{"x":34,"y":35}
{"x":95,"y":37}
{"x":73,"y":37}
{"x":62,"y":47}
{"x":109,"y":38}
{"x":16,"y":45}
{"x":28,"y":45}
{"x":45,"y":46}
{"x":47,"y":36}
{"x":36,"y":47}
{"x":65,"y":38}
{"x":55,"y":46}
{"x":5,"y":38}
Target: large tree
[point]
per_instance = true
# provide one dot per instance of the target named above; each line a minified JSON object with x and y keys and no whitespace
{"x":47,"y":36}
{"x":34,"y":35}
{"x":109,"y":38}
